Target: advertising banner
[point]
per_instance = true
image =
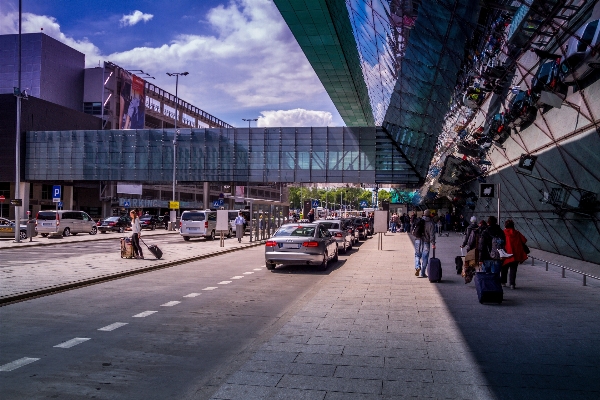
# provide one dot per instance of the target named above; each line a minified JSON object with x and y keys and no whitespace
{"x":132,"y":106}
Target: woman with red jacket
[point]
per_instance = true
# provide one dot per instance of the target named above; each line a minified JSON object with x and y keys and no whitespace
{"x":514,"y":246}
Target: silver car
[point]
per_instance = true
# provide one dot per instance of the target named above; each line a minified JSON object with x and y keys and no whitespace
{"x":301,"y":243}
{"x":341,"y":235}
{"x":7,"y":229}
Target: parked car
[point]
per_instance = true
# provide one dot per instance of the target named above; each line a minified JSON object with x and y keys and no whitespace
{"x":301,"y":243}
{"x":521,"y":110}
{"x":114,"y":224}
{"x":547,"y":77}
{"x":499,"y":130}
{"x":7,"y":229}
{"x":149,"y":222}
{"x":341,"y":235}
{"x":67,"y":221}
{"x":369,"y":227}
{"x":198,"y":223}
{"x":583,"y":55}
{"x":360,"y":227}
{"x":349,"y":226}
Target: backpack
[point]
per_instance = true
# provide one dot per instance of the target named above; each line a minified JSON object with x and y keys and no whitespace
{"x":419,"y":229}
{"x":497,"y":244}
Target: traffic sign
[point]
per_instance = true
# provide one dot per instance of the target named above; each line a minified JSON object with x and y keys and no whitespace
{"x":2,"y":198}
{"x":315,"y":203}
{"x":126,"y":204}
{"x":217,"y":203}
{"x":60,"y":204}
{"x":174,"y":205}
{"x":56,"y":192}
{"x":364,"y":203}
{"x":16,"y":202}
{"x":487,"y":190}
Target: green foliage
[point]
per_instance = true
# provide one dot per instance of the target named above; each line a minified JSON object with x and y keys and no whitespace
{"x":332,"y":197}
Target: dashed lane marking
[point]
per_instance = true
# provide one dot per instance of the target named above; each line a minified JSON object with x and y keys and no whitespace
{"x":144,"y":314}
{"x":258,"y":269}
{"x":17,"y":364}
{"x":210,"y":288}
{"x":192,"y":295}
{"x":73,"y":342}
{"x":236,"y":277}
{"x":112,"y":327}
{"x":224,"y":283}
{"x":170,"y":304}
{"x":248,"y":273}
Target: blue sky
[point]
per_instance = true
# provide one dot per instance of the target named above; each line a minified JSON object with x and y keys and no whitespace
{"x":242,"y":59}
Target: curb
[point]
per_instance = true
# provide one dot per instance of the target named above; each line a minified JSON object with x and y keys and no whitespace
{"x":15,"y":298}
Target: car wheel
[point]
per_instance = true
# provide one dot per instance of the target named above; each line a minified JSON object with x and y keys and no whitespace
{"x":22,"y":235}
{"x":270,"y":266}
{"x":186,"y":238}
{"x":67,"y":232}
{"x":44,"y":234}
{"x":323,"y":266}
{"x":94,"y":230}
{"x":212,"y":235}
{"x":336,"y":257}
{"x":121,"y":229}
{"x":345,"y":249}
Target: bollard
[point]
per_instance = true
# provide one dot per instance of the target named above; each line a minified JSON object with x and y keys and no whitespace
{"x":546,"y":265}
{"x":563,"y":272}
{"x":584,"y":280}
{"x":532,"y":261}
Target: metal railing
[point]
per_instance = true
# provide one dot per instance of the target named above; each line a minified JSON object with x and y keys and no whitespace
{"x":564,"y":269}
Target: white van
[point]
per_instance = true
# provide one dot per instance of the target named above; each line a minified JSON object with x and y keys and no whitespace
{"x":198,"y":224}
{"x":68,"y":222}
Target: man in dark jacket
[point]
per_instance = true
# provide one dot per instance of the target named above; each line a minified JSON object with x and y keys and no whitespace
{"x":490,"y":262}
{"x":423,"y":240}
{"x":472,"y":226}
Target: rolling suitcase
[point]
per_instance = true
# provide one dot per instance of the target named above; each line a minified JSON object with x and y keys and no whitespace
{"x":435,"y":269}
{"x":489,"y":289}
{"x":154,"y":250}
{"x":126,"y":248}
{"x":459,"y":261}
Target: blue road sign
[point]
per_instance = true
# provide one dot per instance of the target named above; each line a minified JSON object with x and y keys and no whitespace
{"x":218,"y":203}
{"x":316,"y":203}
{"x":56,"y":192}
{"x":60,"y":204}
{"x":126,"y":204}
{"x":364,"y":203}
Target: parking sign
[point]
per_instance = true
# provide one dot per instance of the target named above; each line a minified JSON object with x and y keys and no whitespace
{"x":56,"y":193}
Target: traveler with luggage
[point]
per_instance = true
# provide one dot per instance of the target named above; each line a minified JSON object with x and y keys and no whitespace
{"x":472,"y":226}
{"x":424,"y":233}
{"x":166,"y":220}
{"x":514,"y":245}
{"x":491,"y":247}
{"x":136,"y":233}
{"x":472,"y":258}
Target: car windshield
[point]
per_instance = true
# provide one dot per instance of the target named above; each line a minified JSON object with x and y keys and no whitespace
{"x":295,"y":230}
{"x":545,"y":69}
{"x":331,"y":225}
{"x":192,"y":216}
{"x":146,"y":218}
{"x":46,"y":216}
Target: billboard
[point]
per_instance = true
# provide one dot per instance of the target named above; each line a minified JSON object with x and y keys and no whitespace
{"x":132,"y":106}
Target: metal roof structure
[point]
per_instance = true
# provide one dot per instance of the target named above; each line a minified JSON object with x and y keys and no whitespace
{"x":388,"y":62}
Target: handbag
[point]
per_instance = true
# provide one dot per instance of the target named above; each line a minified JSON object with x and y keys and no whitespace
{"x":526,"y":249}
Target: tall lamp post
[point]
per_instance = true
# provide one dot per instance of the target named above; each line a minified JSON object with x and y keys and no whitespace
{"x":19,"y":95}
{"x":173,"y":213}
{"x":249,"y":120}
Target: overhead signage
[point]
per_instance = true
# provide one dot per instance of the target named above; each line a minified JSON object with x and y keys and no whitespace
{"x":316,"y":203}
{"x":174,"y":205}
{"x":155,"y":203}
{"x":487,"y":190}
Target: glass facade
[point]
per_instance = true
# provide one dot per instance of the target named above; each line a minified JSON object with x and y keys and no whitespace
{"x":327,"y":154}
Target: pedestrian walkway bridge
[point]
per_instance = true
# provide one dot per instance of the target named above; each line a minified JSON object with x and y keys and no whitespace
{"x":255,"y":155}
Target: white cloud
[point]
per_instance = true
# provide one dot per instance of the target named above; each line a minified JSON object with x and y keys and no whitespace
{"x":135,"y":17}
{"x":296,"y":117}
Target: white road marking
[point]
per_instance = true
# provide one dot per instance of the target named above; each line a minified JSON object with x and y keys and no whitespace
{"x":144,"y":314}
{"x":17,"y":364}
{"x":236,"y":277}
{"x":248,"y":273}
{"x":258,"y":269}
{"x":224,"y":283}
{"x":170,"y":304}
{"x":73,"y":342}
{"x":210,"y":288}
{"x":112,"y":327}
{"x":192,"y":295}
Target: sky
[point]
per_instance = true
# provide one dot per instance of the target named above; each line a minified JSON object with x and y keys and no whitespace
{"x":242,"y":59}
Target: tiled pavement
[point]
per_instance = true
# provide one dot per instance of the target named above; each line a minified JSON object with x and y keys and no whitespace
{"x":375,"y":331}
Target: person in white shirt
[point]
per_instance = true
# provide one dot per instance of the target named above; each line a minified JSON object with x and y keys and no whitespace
{"x":136,"y":230}
{"x":240,"y":221}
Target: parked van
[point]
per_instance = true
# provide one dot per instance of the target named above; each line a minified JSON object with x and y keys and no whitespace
{"x":68,"y":222}
{"x":198,"y":224}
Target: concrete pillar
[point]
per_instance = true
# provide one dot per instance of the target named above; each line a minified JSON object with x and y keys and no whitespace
{"x":67,"y":197}
{"x":24,"y":190}
{"x":205,"y":195}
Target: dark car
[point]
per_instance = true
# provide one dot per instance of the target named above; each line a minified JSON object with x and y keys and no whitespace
{"x":114,"y":224}
{"x":360,"y":228}
{"x":547,"y":77}
{"x":349,"y":226}
{"x":521,"y":110}
{"x":499,"y":130}
{"x":149,"y":222}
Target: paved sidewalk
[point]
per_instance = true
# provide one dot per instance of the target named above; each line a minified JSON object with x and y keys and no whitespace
{"x":375,"y":331}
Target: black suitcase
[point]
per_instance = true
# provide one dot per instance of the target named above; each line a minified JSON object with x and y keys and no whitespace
{"x":435,"y":269}
{"x":489,"y":289}
{"x":154,"y":250}
{"x":458,"y":260}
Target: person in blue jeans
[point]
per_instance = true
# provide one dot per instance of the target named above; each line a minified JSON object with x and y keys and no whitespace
{"x":488,"y":262}
{"x":424,"y":232}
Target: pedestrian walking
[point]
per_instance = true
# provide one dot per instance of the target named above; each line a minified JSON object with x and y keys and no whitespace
{"x":406,"y":225}
{"x":136,"y":233}
{"x":472,"y":226}
{"x":394,"y":222}
{"x":472,"y":257}
{"x":424,"y":233}
{"x":239,"y":222}
{"x":514,"y":246}
{"x":311,"y":215}
{"x":166,"y":220}
{"x":491,"y":247}
{"x":413,"y":221}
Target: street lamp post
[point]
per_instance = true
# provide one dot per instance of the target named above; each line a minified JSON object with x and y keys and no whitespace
{"x":249,"y":120}
{"x":19,"y":95}
{"x":173,"y":213}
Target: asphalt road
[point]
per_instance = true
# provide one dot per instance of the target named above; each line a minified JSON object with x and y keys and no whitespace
{"x":195,"y":337}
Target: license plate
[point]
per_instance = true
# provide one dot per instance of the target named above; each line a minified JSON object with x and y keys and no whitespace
{"x":193,"y":229}
{"x":290,"y":246}
{"x":46,"y":223}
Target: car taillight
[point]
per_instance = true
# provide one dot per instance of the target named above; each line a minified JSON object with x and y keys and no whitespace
{"x":205,"y":224}
{"x":271,"y":243}
{"x":112,"y":223}
{"x":339,"y":234}
{"x":310,"y":244}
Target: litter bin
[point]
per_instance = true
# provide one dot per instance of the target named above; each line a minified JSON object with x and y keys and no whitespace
{"x":31,"y":229}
